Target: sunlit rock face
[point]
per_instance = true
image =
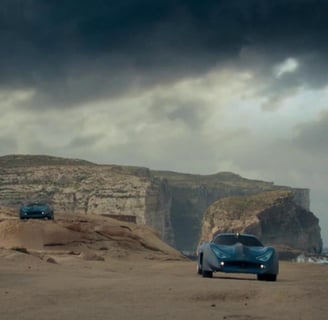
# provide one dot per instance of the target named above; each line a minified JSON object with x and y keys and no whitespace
{"x":80,"y":187}
{"x":173,"y":203}
{"x":193,"y":194}
{"x":274,"y":217}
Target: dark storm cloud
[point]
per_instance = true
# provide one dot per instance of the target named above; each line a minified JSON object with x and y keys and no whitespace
{"x":72,"y":51}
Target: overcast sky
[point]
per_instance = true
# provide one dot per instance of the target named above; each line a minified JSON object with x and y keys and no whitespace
{"x":190,"y":86}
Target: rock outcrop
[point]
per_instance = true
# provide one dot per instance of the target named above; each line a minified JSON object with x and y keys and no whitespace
{"x":88,"y":237}
{"x":193,"y":194}
{"x":80,"y":187}
{"x":273,"y":216}
{"x":173,"y":203}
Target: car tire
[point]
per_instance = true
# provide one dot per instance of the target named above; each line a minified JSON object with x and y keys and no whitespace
{"x":261,"y":277}
{"x":267,"y":277}
{"x":271,"y":277}
{"x":199,"y":265}
{"x":207,"y":274}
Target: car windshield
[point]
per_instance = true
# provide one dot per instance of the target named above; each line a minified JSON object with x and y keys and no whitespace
{"x":32,"y":204}
{"x":231,"y":239}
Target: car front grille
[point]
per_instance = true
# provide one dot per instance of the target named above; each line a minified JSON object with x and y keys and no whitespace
{"x":34,"y":213}
{"x":242,"y":264}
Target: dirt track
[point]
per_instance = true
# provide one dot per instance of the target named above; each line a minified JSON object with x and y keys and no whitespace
{"x":148,"y":287}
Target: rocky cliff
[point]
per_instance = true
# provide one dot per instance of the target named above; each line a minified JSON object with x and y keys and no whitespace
{"x":80,"y":187}
{"x":173,"y":203}
{"x":273,"y":216}
{"x":193,"y":194}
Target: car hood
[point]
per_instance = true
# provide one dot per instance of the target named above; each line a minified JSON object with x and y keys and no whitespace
{"x":34,"y":208}
{"x":239,"y":250}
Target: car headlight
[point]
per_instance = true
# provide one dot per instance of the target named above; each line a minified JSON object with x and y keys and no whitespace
{"x":42,"y":212}
{"x":220,"y":254}
{"x":265,"y":257}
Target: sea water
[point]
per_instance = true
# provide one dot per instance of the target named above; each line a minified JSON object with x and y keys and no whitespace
{"x":319,"y":259}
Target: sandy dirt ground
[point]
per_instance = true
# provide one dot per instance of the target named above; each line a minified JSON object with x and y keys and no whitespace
{"x":90,"y":269}
{"x":153,"y":287}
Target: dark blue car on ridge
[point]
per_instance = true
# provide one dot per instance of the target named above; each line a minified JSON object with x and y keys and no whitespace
{"x":36,"y":210}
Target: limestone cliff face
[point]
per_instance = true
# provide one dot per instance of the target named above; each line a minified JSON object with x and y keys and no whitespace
{"x":173,"y":203}
{"x":75,"y":187}
{"x":193,"y":194}
{"x":158,"y":202}
{"x":273,"y":216}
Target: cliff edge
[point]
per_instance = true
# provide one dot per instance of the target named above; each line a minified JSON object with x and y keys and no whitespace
{"x":173,"y":203}
{"x":75,"y":186}
{"x":273,"y":216}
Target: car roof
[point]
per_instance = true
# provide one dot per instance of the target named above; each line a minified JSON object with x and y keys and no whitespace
{"x":36,"y":204}
{"x":234,"y":234}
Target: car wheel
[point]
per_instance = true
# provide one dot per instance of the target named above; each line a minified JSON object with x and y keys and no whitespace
{"x":271,"y":277}
{"x":199,"y":265}
{"x":267,"y":277}
{"x":207,"y":274}
{"x":261,"y":277}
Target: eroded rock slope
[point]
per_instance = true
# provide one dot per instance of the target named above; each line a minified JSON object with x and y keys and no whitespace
{"x":273,"y":216}
{"x":80,"y":187}
{"x":172,"y":203}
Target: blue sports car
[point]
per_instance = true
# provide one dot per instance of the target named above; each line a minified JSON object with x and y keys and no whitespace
{"x":237,"y":253}
{"x":36,"y":210}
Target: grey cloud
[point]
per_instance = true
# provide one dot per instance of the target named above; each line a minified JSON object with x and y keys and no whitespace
{"x":312,"y":137}
{"x":84,"y":142}
{"x":310,"y":74}
{"x":189,"y":111}
{"x":80,"y":147}
{"x":299,"y":161}
{"x":77,"y":51}
{"x":300,"y":158}
{"x":159,"y":152}
{"x":7,"y":145}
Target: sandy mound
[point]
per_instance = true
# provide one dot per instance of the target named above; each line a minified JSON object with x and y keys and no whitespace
{"x":34,"y":234}
{"x":83,"y":235}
